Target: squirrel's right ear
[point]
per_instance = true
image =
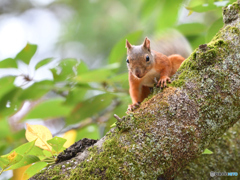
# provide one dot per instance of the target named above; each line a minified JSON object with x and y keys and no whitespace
{"x":146,"y":44}
{"x":128,"y":45}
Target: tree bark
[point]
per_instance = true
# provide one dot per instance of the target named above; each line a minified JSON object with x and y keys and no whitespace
{"x":172,"y":128}
{"x":225,"y":158}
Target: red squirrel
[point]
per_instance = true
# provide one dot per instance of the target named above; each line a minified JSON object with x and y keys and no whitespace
{"x":145,"y":68}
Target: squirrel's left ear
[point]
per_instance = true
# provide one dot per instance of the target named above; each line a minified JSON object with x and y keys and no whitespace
{"x":128,"y":45}
{"x":146,"y":44}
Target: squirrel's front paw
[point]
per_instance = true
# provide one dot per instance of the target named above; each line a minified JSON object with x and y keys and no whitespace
{"x":163,"y":81}
{"x":133,"y":106}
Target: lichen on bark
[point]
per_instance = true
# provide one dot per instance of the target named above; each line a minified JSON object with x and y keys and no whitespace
{"x":172,"y":128}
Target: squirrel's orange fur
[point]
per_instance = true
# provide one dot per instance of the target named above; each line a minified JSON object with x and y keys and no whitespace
{"x":146,"y":68}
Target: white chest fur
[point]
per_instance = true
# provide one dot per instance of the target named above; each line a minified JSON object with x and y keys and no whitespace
{"x":150,"y":78}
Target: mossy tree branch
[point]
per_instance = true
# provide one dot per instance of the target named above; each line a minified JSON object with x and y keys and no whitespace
{"x":225,"y":158}
{"x":173,"y":127}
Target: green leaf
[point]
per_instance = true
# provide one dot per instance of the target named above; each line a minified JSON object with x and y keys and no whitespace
{"x":6,"y":84}
{"x":196,"y":41}
{"x":82,"y":68}
{"x":201,"y":5}
{"x":34,"y":169}
{"x":97,"y":75}
{"x":170,"y":7}
{"x":119,"y":51}
{"x":207,"y":151}
{"x":9,"y":159}
{"x":4,"y":128}
{"x":194,"y":3}
{"x":27,"y":53}
{"x":121,"y":79}
{"x":67,"y":69}
{"x":8,"y":63}
{"x":91,"y":132}
{"x":50,"y":108}
{"x":191,"y":29}
{"x":113,"y":125}
{"x":47,"y":154}
{"x":203,"y":8}
{"x":207,"y":5}
{"x":148,"y":7}
{"x":37,"y":90}
{"x":22,"y":150}
{"x":25,"y":148}
{"x":94,"y":76}
{"x":43,"y":62}
{"x":77,"y":95}
{"x":36,"y":151}
{"x":4,"y":162}
{"x":51,"y":160}
{"x":214,"y":29}
{"x":11,"y":99}
{"x":57,"y":143}
{"x":26,"y":160}
{"x":90,"y":107}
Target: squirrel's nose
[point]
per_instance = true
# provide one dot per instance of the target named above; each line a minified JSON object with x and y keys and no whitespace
{"x":138,"y":73}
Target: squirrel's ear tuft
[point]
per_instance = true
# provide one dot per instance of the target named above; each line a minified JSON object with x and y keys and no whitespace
{"x":128,"y":45}
{"x":146,"y":44}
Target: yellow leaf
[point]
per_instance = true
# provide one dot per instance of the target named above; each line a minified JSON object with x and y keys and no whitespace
{"x":17,"y":173}
{"x":71,"y":137}
{"x":41,"y":133}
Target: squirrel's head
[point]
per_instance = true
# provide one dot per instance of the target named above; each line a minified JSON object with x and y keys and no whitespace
{"x":139,"y":58}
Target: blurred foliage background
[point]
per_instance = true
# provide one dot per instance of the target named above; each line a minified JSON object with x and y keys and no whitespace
{"x":86,"y":82}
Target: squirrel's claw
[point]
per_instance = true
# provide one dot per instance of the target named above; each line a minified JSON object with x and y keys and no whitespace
{"x":131,"y":107}
{"x":163,"y":82}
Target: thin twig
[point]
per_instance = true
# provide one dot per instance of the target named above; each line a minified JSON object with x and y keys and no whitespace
{"x":117,"y":117}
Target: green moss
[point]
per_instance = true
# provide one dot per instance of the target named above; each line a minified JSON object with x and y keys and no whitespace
{"x":187,"y":64}
{"x":235,"y":6}
{"x":205,"y":58}
{"x":234,"y":30}
{"x":182,"y":78}
{"x":149,"y":96}
{"x":102,"y":163}
{"x":178,"y":83}
{"x":52,"y":174}
{"x":164,"y":103}
{"x":123,"y":126}
{"x":200,"y":59}
{"x":56,"y":177}
{"x":216,"y":42}
{"x":113,"y":162}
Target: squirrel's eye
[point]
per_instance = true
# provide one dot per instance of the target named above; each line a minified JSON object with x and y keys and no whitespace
{"x":147,"y":58}
{"x":127,"y":61}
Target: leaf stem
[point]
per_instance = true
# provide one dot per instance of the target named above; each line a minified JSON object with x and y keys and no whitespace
{"x":1,"y":171}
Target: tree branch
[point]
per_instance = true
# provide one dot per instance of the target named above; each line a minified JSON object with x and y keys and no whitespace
{"x":174,"y":127}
